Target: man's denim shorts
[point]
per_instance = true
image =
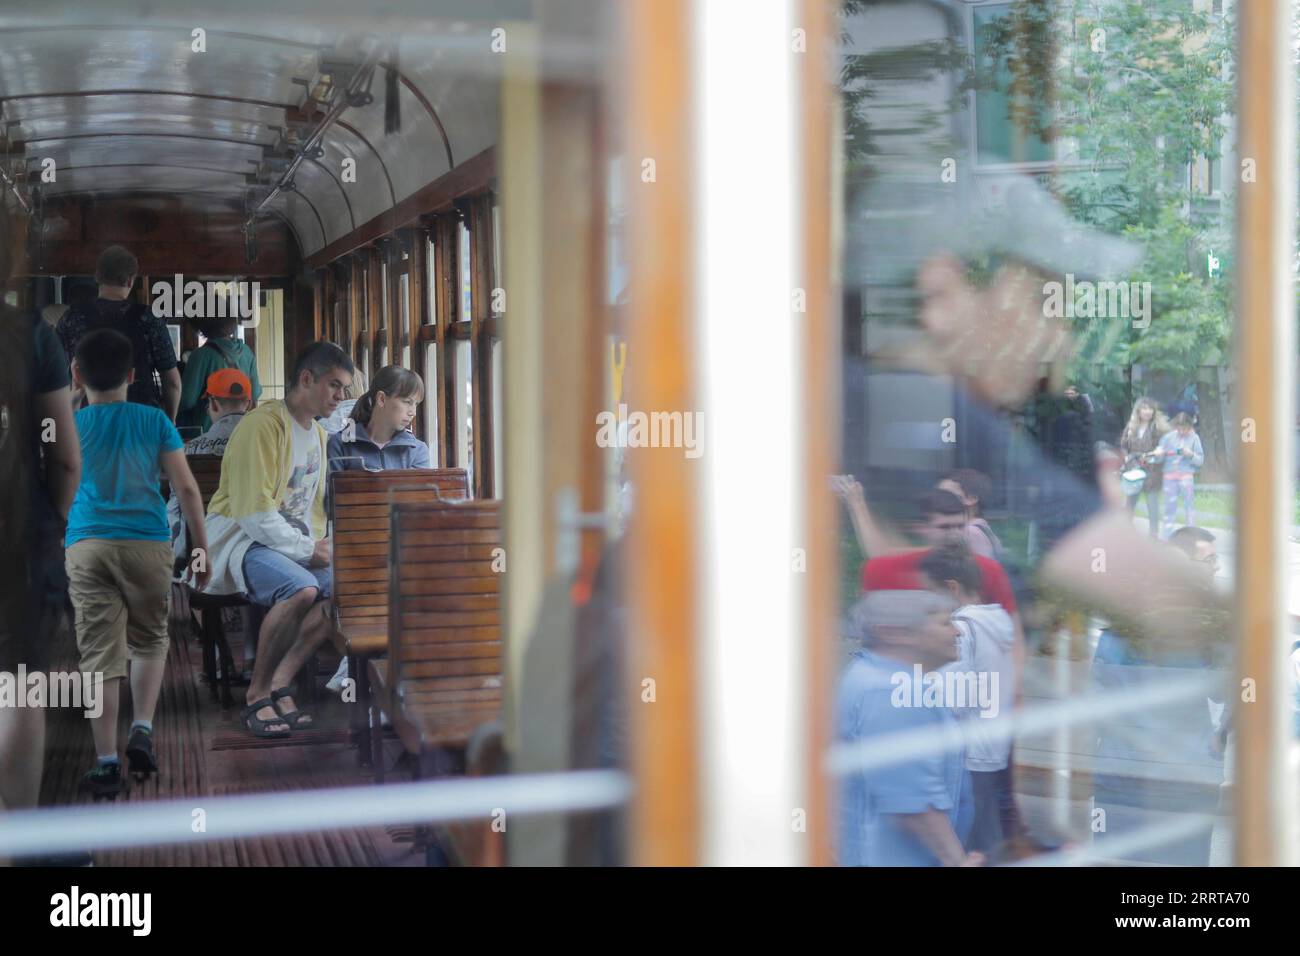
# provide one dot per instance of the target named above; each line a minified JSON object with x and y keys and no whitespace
{"x":270,"y":577}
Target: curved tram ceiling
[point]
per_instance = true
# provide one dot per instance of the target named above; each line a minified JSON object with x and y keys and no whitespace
{"x":128,"y":109}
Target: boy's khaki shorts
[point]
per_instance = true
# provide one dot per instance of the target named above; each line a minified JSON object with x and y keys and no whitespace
{"x":121,"y":591}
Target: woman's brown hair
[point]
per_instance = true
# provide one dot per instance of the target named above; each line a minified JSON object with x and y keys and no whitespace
{"x":392,"y":380}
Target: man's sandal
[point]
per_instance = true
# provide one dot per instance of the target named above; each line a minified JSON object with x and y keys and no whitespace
{"x":295,"y":718}
{"x":258,"y":726}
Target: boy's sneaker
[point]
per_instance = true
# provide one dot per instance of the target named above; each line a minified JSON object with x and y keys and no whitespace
{"x":105,"y":780}
{"x":139,"y":752}
{"x":335,"y":683}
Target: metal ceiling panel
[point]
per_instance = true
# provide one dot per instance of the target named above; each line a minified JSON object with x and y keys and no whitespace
{"x":127,"y":105}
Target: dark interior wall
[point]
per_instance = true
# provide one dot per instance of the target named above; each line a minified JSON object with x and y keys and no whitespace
{"x":165,"y":233}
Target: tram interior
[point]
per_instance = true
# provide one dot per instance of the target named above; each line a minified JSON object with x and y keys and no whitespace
{"x":510,"y":199}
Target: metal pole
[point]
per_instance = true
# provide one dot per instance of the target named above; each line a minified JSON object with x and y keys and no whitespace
{"x":1265,"y":791}
{"x":359,"y":79}
{"x":13,"y":186}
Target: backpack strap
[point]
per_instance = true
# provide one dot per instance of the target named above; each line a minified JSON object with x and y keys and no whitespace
{"x":993,"y":541}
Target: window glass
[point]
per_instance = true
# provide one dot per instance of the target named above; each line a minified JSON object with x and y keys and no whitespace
{"x":466,"y":281}
{"x":462,"y":403}
{"x":432,"y":427}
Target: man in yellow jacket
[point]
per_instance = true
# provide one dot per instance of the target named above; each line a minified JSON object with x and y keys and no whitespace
{"x":266,"y":531}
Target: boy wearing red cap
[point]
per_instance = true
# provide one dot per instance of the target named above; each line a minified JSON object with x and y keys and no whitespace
{"x":229,"y":394}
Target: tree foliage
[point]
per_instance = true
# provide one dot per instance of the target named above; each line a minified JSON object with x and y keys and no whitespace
{"x":1140,"y":92}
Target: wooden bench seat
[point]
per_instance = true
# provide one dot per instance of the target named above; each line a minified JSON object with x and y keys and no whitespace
{"x":434,"y":714}
{"x":442,"y":678}
{"x":359,"y":503}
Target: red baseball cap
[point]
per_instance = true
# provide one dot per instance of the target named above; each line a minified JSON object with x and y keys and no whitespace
{"x":230,"y":383}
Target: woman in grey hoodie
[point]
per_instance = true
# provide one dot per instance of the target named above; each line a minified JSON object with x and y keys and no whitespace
{"x":378,"y":436}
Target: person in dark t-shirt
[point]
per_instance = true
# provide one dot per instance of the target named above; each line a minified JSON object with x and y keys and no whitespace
{"x":40,"y":468}
{"x":157,"y":380}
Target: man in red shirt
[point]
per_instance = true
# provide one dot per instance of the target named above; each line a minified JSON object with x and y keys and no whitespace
{"x":898,"y":568}
{"x":944,"y":520}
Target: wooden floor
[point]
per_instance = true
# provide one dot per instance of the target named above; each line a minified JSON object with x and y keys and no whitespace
{"x":203,"y":751}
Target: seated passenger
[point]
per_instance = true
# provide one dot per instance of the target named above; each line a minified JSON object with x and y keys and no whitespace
{"x":336,"y":419}
{"x":118,"y":558}
{"x":229,"y":394}
{"x":223,"y":351}
{"x":914,"y":812}
{"x":380,"y":437}
{"x":266,"y":523}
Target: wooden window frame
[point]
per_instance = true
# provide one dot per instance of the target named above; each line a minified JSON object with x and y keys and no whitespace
{"x":416,"y":302}
{"x":446,"y":292}
{"x":319,"y":279}
{"x":433,"y":298}
{"x":356,"y":303}
{"x":374,"y":309}
{"x":482,"y":281}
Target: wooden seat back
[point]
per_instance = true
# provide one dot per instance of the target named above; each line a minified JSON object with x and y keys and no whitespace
{"x":207,"y":472}
{"x":359,"y":510}
{"x":444,"y":623}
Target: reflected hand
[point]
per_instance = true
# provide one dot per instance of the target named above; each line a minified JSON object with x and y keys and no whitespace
{"x":847,"y":489}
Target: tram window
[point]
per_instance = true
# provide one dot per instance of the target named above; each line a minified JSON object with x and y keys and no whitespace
{"x":1113,"y":385}
{"x":466,"y":279}
{"x":432,"y":426}
{"x":404,"y":290}
{"x":998,"y":140}
{"x":463,"y":391}
{"x":498,"y":428}
{"x":496,"y":243}
{"x":430,"y":285}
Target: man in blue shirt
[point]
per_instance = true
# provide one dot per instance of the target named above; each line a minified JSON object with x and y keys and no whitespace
{"x":915,"y":812}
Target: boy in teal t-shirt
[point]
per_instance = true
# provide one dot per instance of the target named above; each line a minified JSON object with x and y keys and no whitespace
{"x":119,"y":556}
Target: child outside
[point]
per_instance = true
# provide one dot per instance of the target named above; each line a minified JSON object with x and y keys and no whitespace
{"x":1182,"y":455}
{"x":986,"y":645}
